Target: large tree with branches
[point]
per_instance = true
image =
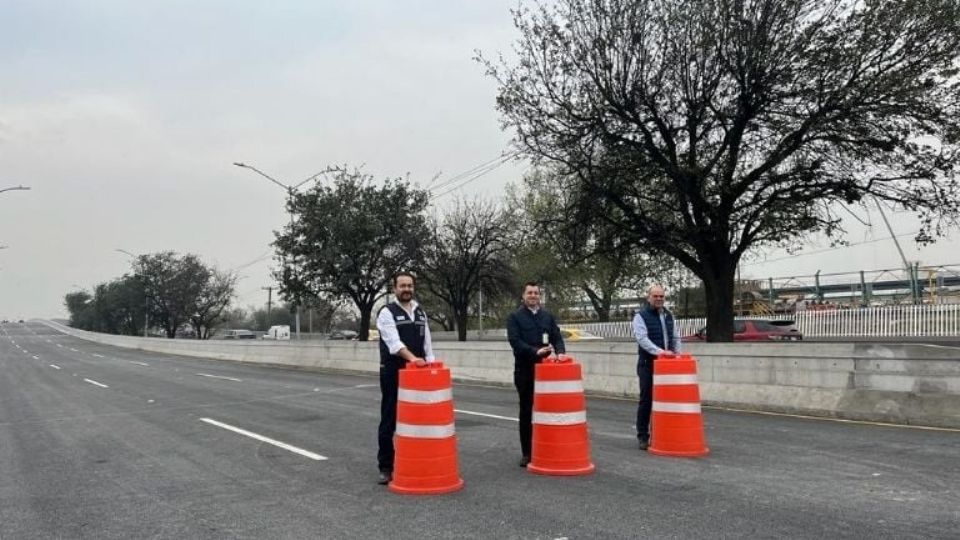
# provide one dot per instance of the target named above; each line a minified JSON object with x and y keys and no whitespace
{"x":349,"y":237}
{"x":715,"y":127}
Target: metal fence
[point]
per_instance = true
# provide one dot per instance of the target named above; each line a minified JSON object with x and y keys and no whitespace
{"x":886,"y":321}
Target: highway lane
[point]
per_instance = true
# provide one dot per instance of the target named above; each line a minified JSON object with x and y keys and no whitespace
{"x":134,"y":458}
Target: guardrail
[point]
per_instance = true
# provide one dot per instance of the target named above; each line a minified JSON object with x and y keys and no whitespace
{"x":941,"y":320}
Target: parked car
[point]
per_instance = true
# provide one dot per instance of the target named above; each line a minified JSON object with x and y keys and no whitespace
{"x":756,"y":330}
{"x":239,"y":334}
{"x":577,"y":334}
{"x":343,"y":334}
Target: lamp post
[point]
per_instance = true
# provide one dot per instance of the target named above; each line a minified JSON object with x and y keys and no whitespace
{"x":291,"y":190}
{"x":146,"y":297}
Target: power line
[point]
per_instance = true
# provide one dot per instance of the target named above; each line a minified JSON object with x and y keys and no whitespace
{"x":826,"y":250}
{"x":450,"y":181}
{"x":476,"y":176}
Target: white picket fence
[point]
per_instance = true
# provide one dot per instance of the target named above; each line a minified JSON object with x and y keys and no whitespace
{"x":941,"y":320}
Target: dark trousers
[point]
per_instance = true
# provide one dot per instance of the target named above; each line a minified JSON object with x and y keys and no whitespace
{"x":523,"y":380}
{"x":389,"y":382}
{"x":645,"y":374}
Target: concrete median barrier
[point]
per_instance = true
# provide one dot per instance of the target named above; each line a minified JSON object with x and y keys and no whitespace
{"x":887,"y":382}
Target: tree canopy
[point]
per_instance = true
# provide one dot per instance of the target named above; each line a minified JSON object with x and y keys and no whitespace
{"x":349,"y":237}
{"x":715,"y":127}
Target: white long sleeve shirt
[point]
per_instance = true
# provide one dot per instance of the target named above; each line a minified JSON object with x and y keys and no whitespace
{"x":643,"y":336}
{"x":388,"y":331}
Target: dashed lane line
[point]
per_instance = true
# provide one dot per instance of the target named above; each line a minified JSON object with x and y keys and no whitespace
{"x":54,"y":366}
{"x":95,"y":383}
{"x":261,"y":438}
{"x":219,"y":377}
{"x":486,"y":415}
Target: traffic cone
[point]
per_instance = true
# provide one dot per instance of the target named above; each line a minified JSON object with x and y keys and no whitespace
{"x":676,"y":421}
{"x":561,"y":445}
{"x":425,"y":461}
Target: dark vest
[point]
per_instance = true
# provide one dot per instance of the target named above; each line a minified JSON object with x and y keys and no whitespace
{"x":654,"y":331}
{"x":411,"y":334}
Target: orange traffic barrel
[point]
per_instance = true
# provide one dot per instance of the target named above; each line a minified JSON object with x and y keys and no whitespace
{"x":676,"y":419}
{"x":425,"y":461}
{"x":561,"y":445}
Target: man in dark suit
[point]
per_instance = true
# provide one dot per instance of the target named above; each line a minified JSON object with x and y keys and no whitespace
{"x":534,"y":335}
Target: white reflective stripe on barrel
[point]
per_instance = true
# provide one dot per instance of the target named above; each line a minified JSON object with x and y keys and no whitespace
{"x":559,"y":419}
{"x":664,"y":406}
{"x":675,"y":379}
{"x":558,"y":387}
{"x":425,"y":396}
{"x":425,"y":432}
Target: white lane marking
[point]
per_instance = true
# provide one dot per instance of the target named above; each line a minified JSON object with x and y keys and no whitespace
{"x":219,"y":377}
{"x":101,"y":385}
{"x":54,"y":366}
{"x":59,"y":345}
{"x":36,"y":357}
{"x":98,"y":355}
{"x":48,"y":341}
{"x":461,"y":411}
{"x":139,"y":363}
{"x":261,"y":438}
{"x":74,"y":350}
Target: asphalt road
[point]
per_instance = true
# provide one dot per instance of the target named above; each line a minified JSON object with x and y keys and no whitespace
{"x":100,"y":442}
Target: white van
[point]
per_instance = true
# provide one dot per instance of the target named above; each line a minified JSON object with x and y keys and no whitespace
{"x":280,"y":332}
{"x":239,"y":334}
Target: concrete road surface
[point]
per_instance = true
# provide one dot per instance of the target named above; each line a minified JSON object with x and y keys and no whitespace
{"x":98,"y":442}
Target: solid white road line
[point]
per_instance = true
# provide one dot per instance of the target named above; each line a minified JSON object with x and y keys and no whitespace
{"x":219,"y":377}
{"x":54,"y":366}
{"x":101,"y":385}
{"x":139,"y":363}
{"x":261,"y":438}
{"x":461,"y":411}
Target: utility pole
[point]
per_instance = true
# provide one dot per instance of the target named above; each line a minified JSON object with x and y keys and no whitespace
{"x":269,"y":303}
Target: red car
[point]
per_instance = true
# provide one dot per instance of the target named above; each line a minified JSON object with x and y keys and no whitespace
{"x":756,"y":330}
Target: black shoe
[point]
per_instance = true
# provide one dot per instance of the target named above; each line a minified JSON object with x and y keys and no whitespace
{"x":385,"y":478}
{"x":524,"y":461}
{"x":644,"y":444}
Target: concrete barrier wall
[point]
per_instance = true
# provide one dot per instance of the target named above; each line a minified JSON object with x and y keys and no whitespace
{"x":909,"y":384}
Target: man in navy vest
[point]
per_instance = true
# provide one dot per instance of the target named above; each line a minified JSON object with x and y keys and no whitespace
{"x":656,"y":333}
{"x":404,"y":337}
{"x":533,"y":335}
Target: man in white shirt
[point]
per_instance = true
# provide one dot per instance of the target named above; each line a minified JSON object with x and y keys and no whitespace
{"x":404,"y":337}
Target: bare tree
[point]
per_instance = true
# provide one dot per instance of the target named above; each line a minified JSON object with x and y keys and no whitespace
{"x":468,"y":249}
{"x":718,"y":126}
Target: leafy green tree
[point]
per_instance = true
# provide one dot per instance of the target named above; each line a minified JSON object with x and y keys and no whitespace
{"x":79,"y":306}
{"x":211,"y":304}
{"x":349,"y":238}
{"x":173,"y":284}
{"x":715,"y":127}
{"x":469,"y":247}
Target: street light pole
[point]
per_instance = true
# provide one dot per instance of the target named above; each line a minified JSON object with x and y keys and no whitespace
{"x":291,"y":190}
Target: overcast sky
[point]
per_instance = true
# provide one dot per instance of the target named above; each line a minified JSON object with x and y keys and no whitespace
{"x":124,"y":119}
